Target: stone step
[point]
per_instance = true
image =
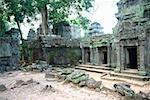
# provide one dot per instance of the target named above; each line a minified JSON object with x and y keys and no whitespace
{"x":96,"y":67}
{"x":139,"y":80}
{"x":130,"y":76}
{"x":92,"y":69}
{"x":130,"y":71}
{"x":129,"y":81}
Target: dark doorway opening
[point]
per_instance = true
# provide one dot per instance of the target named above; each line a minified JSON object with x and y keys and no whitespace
{"x":132,"y":57}
{"x":105,"y":58}
{"x":87,"y":55}
{"x":88,"y":58}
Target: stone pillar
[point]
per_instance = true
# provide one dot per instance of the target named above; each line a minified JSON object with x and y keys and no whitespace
{"x":83,"y":57}
{"x":122,"y":59}
{"x":91,"y":55}
{"x":108,"y":55}
{"x":97,"y":56}
{"x":142,"y":70}
{"x":118,"y":68}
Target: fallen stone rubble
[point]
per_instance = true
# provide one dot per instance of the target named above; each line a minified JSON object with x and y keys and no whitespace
{"x":77,"y":77}
{"x":2,"y":87}
{"x":125,"y":90}
{"x":82,"y":79}
{"x":20,"y":83}
{"x":38,"y":66}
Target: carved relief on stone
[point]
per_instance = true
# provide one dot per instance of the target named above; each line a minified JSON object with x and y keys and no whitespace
{"x":128,"y":29}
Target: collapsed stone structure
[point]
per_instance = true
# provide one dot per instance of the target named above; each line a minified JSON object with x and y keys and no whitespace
{"x":129,"y":46}
{"x":60,"y":48}
{"x":62,"y":51}
{"x":9,"y":50}
{"x":67,"y":31}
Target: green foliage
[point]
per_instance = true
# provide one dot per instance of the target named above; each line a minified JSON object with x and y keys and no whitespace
{"x":40,"y":3}
{"x":3,"y":18}
{"x":61,"y":9}
{"x":19,"y":9}
{"x":84,"y":22}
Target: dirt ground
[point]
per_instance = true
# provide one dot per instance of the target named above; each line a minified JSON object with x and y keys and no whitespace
{"x":61,"y":91}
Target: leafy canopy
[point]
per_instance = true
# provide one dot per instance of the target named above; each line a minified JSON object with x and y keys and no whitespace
{"x":60,"y":10}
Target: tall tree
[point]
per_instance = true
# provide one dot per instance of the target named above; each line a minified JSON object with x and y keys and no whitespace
{"x":19,"y":9}
{"x":59,"y":10}
{"x":42,"y":8}
{"x":3,"y":19}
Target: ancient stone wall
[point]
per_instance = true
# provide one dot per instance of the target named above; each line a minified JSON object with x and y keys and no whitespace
{"x":9,"y":53}
{"x":99,"y":46}
{"x":54,"y":50}
{"x":131,"y":32}
{"x":63,"y":55}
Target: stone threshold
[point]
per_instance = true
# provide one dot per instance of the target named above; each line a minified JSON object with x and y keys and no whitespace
{"x":131,"y":76}
{"x":93,"y":69}
{"x":104,"y":66}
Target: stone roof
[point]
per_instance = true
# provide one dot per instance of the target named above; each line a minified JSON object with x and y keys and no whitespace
{"x":59,"y":41}
{"x":97,"y":41}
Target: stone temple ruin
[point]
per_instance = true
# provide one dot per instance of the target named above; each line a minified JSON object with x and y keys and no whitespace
{"x":133,"y":35}
{"x":129,"y":46}
{"x":59,"y":48}
{"x":9,"y":50}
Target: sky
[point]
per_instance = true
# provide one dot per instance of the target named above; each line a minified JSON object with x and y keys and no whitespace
{"x":103,"y":12}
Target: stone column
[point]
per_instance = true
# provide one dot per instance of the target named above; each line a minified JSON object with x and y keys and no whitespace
{"x":142,"y":70}
{"x":97,"y":56}
{"x":108,"y":55}
{"x":83,"y":55}
{"x":122,"y":59}
{"x":91,"y":55}
{"x":118,"y":69}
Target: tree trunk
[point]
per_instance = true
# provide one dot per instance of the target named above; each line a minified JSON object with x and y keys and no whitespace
{"x":22,"y":54}
{"x":19,"y":31}
{"x":44,"y":15}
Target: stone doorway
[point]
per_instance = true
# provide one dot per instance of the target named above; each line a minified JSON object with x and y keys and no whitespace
{"x":105,"y":57}
{"x":87,"y":55}
{"x":131,"y":57}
